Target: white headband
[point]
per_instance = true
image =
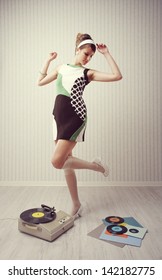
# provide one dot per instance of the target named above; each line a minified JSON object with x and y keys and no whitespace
{"x":88,"y":41}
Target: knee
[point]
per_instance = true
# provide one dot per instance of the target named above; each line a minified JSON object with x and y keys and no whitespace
{"x":57,"y":162}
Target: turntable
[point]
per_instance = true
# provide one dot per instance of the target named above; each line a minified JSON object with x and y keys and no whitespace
{"x":44,"y":222}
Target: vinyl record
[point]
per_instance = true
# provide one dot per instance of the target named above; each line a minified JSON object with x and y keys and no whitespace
{"x":116,"y":229}
{"x":38,"y":215}
{"x":134,"y":230}
{"x":114,"y":220}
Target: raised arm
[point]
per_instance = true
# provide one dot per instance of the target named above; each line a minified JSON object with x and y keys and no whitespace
{"x":106,"y":77}
{"x":45,"y":78}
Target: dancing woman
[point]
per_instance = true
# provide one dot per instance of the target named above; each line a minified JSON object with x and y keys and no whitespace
{"x":70,"y":114}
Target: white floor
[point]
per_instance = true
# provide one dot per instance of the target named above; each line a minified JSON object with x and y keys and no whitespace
{"x":143,"y":203}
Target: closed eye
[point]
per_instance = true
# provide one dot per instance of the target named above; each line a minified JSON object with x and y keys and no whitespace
{"x":87,"y":54}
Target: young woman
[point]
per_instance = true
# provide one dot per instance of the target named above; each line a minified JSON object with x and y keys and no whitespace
{"x":70,"y":115}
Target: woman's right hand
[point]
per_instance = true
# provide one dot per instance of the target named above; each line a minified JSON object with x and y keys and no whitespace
{"x":52,"y":56}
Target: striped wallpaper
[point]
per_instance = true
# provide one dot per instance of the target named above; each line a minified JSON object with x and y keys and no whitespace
{"x":124,"y":118}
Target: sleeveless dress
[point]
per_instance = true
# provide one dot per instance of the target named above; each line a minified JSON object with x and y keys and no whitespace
{"x":70,"y":113}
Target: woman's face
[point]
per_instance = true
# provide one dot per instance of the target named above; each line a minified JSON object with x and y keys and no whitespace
{"x":84,"y":55}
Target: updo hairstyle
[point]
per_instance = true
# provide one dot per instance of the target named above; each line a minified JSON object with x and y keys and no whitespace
{"x":82,"y":37}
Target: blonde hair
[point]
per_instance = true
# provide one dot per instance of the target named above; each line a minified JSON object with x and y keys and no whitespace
{"x":80,"y":38}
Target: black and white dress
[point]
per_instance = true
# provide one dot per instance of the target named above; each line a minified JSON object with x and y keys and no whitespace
{"x":70,"y":113}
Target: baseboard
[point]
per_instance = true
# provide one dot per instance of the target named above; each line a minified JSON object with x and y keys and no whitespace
{"x":82,"y":184}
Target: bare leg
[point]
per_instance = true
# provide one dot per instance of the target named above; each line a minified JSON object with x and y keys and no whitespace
{"x":76,"y":163}
{"x":70,"y":176}
{"x":72,"y":186}
{"x":62,"y":150}
{"x":63,"y":159}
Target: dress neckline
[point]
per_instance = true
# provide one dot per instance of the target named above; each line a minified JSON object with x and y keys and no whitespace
{"x":75,"y":66}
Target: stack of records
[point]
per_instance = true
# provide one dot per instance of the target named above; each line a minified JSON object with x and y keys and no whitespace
{"x":120,"y":231}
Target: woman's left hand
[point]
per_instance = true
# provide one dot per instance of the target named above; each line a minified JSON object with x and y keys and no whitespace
{"x":102,"y":48}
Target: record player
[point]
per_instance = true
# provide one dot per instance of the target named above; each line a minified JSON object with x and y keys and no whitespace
{"x":45,"y":222}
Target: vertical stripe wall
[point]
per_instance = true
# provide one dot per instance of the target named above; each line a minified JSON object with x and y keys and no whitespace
{"x":124,"y":118}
